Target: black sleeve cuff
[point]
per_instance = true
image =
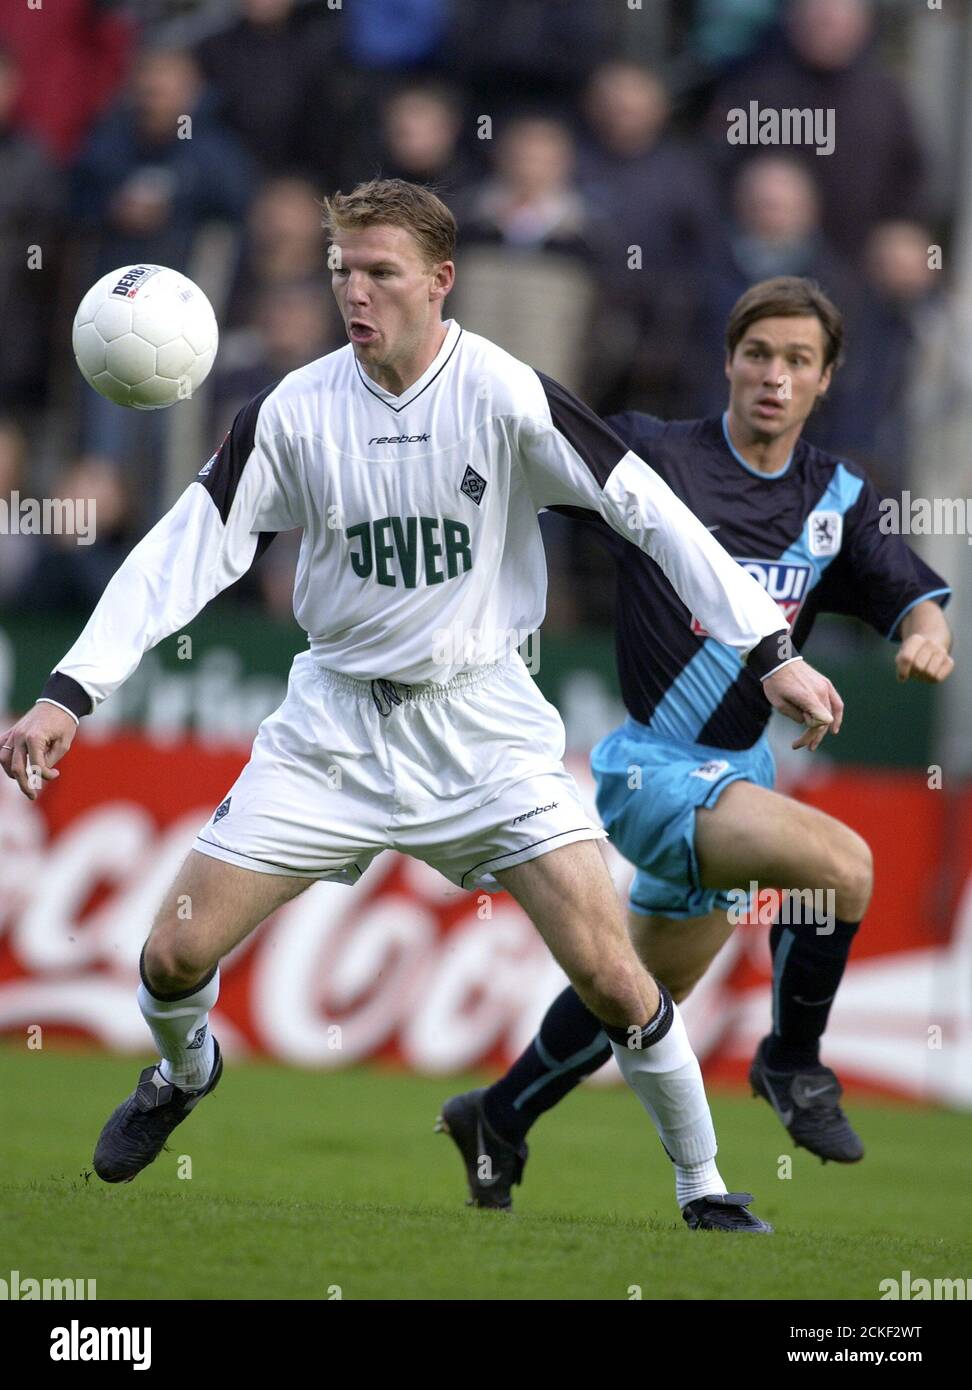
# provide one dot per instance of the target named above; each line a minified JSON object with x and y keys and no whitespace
{"x":66,"y":691}
{"x":773,"y":651}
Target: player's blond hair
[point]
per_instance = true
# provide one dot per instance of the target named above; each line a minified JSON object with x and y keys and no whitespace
{"x":394,"y":203}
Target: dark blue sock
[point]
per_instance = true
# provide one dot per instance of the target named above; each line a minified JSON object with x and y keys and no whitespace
{"x":807,"y":971}
{"x":570,"y":1044}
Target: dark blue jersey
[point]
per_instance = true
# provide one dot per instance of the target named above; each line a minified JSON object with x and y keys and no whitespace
{"x":808,"y":533}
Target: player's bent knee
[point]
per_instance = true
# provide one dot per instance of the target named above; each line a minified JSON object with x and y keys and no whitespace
{"x":853,"y":877}
{"x":859,"y":873}
{"x":171,"y":964}
{"x":614,"y":991}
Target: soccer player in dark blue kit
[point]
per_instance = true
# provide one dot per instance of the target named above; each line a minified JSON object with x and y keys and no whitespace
{"x":684,"y":786}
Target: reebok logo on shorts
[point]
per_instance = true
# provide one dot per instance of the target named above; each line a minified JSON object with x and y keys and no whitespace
{"x":222,"y":810}
{"x":537,"y":811}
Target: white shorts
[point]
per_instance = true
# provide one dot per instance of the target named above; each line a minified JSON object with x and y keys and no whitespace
{"x":467,"y":776}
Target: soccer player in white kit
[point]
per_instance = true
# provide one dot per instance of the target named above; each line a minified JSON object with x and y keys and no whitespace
{"x":416,"y":459}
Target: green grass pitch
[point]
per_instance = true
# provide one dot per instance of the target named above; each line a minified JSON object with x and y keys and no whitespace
{"x":312,"y":1185}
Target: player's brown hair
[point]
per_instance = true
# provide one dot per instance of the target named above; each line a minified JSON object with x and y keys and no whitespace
{"x":394,"y":203}
{"x":787,"y":296}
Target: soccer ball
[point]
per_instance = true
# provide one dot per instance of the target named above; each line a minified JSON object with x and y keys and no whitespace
{"x":145,"y":336}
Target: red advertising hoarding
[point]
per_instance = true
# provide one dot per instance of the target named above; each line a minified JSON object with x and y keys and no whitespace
{"x":406,"y":966}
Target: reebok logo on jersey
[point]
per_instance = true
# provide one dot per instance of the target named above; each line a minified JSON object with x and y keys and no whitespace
{"x":400,"y":439}
{"x":786,"y":581}
{"x":537,"y":811}
{"x":473,"y":485}
{"x":403,"y":550}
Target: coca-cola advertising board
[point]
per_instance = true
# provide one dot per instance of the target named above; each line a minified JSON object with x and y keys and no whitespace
{"x":406,"y":967}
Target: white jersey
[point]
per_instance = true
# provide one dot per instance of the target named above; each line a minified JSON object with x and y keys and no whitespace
{"x":421,"y":554}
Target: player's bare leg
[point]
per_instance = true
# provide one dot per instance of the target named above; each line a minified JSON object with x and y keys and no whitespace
{"x":752,"y":833}
{"x":570,"y":898}
{"x":678,"y":951}
{"x":210,"y":908}
{"x":757,"y":835}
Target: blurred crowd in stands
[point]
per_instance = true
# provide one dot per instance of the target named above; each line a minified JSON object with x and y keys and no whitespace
{"x":607,"y":224}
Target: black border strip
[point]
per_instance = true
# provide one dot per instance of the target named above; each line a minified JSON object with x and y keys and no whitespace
{"x":65,"y":690}
{"x":771,"y":652}
{"x":599,"y":448}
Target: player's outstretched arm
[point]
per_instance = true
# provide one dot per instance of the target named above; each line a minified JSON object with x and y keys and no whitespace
{"x":36,"y":742}
{"x":806,"y":697}
{"x":572,"y":458}
{"x":926,"y":641}
{"x":201,"y":546}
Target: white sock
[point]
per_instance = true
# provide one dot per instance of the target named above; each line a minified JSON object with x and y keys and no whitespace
{"x":667,"y":1079}
{"x":697,"y":1180}
{"x":180,"y":1028}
